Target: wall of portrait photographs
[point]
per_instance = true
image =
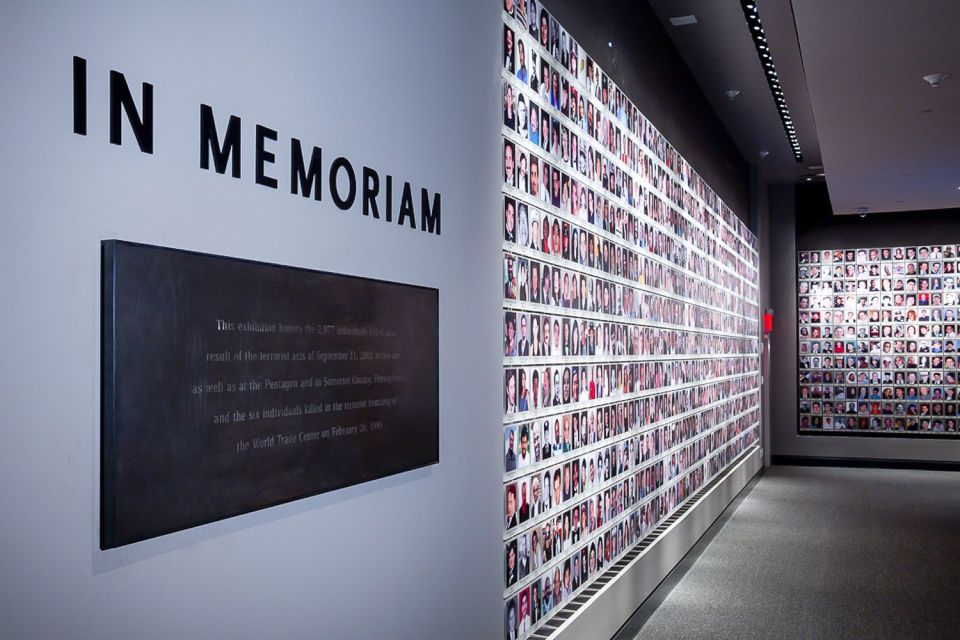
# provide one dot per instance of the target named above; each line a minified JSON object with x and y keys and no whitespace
{"x":878,"y":340}
{"x":630,"y":323}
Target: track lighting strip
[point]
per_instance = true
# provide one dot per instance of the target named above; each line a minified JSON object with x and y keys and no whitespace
{"x":752,"y":15}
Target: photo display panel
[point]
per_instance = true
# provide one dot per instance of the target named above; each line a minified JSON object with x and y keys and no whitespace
{"x":630,"y":323}
{"x":878,"y":341}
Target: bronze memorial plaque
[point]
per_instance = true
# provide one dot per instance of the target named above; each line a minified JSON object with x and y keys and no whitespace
{"x":230,"y":385}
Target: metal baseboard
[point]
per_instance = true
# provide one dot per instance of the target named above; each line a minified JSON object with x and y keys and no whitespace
{"x":610,"y":601}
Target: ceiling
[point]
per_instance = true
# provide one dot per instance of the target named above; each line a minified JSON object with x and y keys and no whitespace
{"x":852,"y":74}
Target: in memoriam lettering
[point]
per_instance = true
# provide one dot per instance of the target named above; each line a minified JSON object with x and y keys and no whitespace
{"x":378,"y":196}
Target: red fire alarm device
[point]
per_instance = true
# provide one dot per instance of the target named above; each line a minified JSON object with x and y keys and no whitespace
{"x":768,"y":321}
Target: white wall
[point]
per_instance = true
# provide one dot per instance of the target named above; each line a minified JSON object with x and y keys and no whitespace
{"x":408,"y":88}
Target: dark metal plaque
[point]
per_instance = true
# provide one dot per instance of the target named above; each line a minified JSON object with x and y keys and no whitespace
{"x":230,"y":385}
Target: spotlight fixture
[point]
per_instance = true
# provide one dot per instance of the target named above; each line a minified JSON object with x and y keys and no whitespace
{"x":935,"y":79}
{"x":764,"y":153}
{"x":731,"y":93}
{"x":752,"y":15}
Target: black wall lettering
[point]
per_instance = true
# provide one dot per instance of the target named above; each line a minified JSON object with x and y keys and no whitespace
{"x":79,"y":95}
{"x":371,"y":187}
{"x":429,"y":216}
{"x":263,"y":156}
{"x":209,"y":141}
{"x":308,"y":180}
{"x":342,"y":203}
{"x":120,"y":97}
{"x":389,"y":207}
{"x":406,"y":206}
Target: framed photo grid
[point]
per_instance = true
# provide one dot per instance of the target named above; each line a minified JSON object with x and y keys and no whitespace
{"x":630,"y":323}
{"x":877,"y":341}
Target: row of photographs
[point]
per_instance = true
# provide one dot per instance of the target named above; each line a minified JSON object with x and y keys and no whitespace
{"x":901,"y":407}
{"x":905,"y":302}
{"x":907,"y":272}
{"x":876,"y":255}
{"x":527,"y":498}
{"x":936,"y":336}
{"x":534,"y":388}
{"x":526,"y":280}
{"x":874,"y":423}
{"x":839,"y":324}
{"x":885,"y":342}
{"x":855,"y":378}
{"x":828,"y":386}
{"x":891,"y":364}
{"x":878,"y":292}
{"x":913,"y":392}
{"x":529,"y":228}
{"x":558,"y":574}
{"x":607,"y":234}
{"x":616,"y":122}
{"x":535,"y":335}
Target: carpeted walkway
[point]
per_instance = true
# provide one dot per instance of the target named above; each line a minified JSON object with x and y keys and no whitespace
{"x":827,"y":553}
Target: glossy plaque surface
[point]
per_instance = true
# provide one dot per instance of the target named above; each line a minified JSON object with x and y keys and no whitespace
{"x":230,"y":385}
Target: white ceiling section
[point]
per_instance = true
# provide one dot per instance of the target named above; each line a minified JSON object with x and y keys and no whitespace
{"x":720,"y":53}
{"x":890,"y":141}
{"x":852,"y":73}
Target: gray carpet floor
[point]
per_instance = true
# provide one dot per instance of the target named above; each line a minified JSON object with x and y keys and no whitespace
{"x":827,"y":553}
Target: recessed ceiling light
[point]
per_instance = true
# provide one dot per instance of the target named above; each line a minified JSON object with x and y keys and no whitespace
{"x":764,"y":153}
{"x":731,"y":93}
{"x":936,"y":79}
{"x":680,"y":21}
{"x":610,"y":44}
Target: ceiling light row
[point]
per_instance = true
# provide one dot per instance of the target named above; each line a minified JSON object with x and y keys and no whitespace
{"x":752,"y":14}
